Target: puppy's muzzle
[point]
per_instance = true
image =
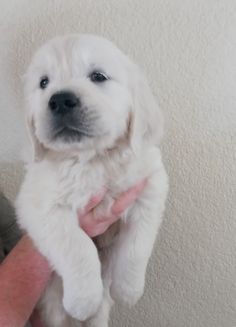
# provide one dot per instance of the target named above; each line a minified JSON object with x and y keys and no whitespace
{"x":63,"y":103}
{"x":70,"y":120}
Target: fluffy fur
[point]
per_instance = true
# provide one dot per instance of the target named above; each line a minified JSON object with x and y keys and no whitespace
{"x":124,"y":125}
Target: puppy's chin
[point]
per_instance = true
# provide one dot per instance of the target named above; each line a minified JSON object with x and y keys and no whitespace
{"x":70,"y":135}
{"x":72,"y":143}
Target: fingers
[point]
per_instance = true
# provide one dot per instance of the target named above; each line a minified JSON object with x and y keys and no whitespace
{"x":94,"y":201}
{"x":98,"y":229}
{"x":93,"y":226}
{"x":127,"y":198}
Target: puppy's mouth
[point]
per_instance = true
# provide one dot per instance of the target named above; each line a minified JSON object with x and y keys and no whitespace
{"x":71,"y":134}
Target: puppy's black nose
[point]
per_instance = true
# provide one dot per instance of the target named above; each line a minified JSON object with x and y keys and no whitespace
{"x":62,"y":103}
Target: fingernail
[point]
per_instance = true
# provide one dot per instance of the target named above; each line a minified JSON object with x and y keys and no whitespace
{"x":99,"y":195}
{"x":142,"y":184}
{"x":102,"y":192}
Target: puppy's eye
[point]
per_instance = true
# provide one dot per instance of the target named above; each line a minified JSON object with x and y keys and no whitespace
{"x":44,"y":82}
{"x":98,"y":77}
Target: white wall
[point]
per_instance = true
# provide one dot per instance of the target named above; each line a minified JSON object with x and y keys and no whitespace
{"x":188,"y":49}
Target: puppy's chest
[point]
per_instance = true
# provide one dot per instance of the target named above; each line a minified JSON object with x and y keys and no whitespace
{"x":77,"y":183}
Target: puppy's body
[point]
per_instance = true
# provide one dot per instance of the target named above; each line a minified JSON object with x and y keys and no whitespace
{"x":60,"y":182}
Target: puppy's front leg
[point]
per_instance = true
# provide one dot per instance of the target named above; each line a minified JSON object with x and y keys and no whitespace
{"x":135,"y":243}
{"x":71,"y":253}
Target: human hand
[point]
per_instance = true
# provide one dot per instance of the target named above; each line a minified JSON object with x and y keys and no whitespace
{"x":94,"y":226}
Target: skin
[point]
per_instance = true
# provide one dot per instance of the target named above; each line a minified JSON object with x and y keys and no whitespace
{"x":25,"y":273}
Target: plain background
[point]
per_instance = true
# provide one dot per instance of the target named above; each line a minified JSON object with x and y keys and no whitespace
{"x":188,"y":50}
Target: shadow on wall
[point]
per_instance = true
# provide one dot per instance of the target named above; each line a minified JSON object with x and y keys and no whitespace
{"x":19,"y":41}
{"x":11,"y":175}
{"x":9,"y":231}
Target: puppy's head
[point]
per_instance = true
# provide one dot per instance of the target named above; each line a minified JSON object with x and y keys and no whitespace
{"x":83,"y":93}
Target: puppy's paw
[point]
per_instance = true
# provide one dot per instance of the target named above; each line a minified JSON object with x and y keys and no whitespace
{"x":82,"y":303}
{"x":128,"y":292}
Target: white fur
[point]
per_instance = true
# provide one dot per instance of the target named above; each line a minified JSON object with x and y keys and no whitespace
{"x":62,"y":177}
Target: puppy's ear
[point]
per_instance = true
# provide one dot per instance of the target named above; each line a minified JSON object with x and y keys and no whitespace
{"x":38,"y":148}
{"x":146,"y":122}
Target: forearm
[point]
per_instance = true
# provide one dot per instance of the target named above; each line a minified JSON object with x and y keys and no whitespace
{"x":23,"y":277}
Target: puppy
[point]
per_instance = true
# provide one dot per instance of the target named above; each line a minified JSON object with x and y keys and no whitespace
{"x":93,"y":122}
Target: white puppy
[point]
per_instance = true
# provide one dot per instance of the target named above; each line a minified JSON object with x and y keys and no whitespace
{"x":93,"y":123}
